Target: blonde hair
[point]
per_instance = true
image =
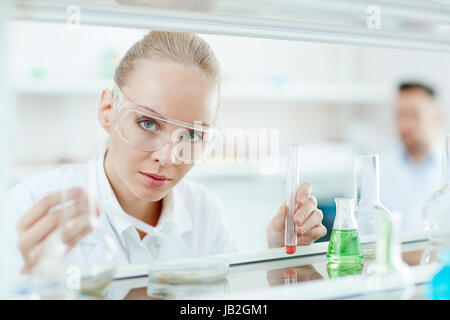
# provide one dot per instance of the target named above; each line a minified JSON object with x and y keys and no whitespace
{"x":181,"y":47}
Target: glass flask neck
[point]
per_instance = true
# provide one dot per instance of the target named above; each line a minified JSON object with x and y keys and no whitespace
{"x":367,"y":182}
{"x":388,"y":242}
{"x":345,"y":214}
{"x":446,"y":161}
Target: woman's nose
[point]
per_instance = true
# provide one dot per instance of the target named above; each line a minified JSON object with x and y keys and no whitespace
{"x":165,"y":155}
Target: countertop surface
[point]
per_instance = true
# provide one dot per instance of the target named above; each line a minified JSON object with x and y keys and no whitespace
{"x":274,"y":273}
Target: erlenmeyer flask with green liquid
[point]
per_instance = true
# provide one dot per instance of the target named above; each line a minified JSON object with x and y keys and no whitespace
{"x":341,"y":269}
{"x":344,"y":243}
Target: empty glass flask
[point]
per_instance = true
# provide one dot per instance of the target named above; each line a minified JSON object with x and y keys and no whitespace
{"x":436,"y":208}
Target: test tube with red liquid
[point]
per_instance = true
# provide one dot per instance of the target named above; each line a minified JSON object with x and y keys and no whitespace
{"x":290,"y":276}
{"x":292,"y":182}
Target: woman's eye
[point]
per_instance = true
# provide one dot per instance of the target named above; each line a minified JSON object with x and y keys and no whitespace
{"x":193,"y":136}
{"x":147,"y":124}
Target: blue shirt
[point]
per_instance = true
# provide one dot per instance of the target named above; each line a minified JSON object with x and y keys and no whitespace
{"x":405,"y":185}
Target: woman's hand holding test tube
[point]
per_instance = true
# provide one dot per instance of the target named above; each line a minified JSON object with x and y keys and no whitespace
{"x":307,"y":218}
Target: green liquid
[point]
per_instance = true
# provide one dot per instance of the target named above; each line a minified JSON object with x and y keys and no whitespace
{"x":344,"y":246}
{"x":344,"y":269}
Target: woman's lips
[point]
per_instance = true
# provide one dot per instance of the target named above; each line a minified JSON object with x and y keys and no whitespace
{"x":154,"y":180}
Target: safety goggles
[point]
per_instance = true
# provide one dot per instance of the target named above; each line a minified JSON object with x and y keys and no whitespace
{"x":149,"y":131}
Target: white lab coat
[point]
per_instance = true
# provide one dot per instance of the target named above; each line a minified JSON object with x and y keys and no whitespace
{"x":197,"y":214}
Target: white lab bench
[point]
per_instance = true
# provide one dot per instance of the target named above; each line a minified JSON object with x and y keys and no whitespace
{"x":268,"y":275}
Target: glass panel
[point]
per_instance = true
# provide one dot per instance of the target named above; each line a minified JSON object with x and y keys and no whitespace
{"x":6,"y":224}
{"x":331,"y":98}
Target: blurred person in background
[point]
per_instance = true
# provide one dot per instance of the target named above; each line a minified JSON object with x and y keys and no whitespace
{"x":410,"y":174}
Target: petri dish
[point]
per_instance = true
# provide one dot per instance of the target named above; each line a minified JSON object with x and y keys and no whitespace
{"x":188,"y":271}
{"x":176,"y":279}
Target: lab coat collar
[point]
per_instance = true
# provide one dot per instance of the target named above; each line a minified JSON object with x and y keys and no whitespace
{"x":173,"y":211}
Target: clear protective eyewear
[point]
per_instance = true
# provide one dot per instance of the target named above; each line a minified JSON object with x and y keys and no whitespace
{"x":149,"y":131}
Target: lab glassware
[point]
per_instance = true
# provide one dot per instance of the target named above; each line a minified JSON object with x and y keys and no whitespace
{"x":186,"y":277}
{"x":341,"y":269}
{"x":431,"y":253}
{"x":99,"y":248}
{"x":290,"y":276}
{"x":389,"y":272}
{"x":368,"y":206}
{"x":344,"y":245}
{"x":58,"y":266}
{"x":436,"y":208}
{"x":49,"y":277}
{"x":439,"y":286}
{"x":292,"y":182}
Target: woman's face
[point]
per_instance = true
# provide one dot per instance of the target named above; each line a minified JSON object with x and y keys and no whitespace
{"x":174,"y":90}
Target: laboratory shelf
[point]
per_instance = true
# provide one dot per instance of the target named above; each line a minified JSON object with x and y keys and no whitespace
{"x":345,"y":94}
{"x":60,"y":88}
{"x":413,"y":24}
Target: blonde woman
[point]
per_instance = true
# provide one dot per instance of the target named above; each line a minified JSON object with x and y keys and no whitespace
{"x":165,"y":95}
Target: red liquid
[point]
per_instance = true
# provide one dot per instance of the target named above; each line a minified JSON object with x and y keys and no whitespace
{"x":290,"y":274}
{"x":290,"y":249}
